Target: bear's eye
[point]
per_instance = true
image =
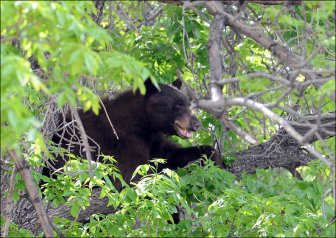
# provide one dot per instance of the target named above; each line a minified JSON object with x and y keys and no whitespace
{"x":179,"y":104}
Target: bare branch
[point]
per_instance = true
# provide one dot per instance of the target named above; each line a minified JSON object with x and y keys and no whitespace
{"x":122,"y":14}
{"x":227,"y":81}
{"x":108,"y":118}
{"x":215,"y":58}
{"x":23,"y":169}
{"x":55,"y":228}
{"x":239,"y":131}
{"x":325,"y":128}
{"x":222,"y":104}
{"x":313,"y":152}
{"x":191,"y":4}
{"x":85,"y":139}
{"x":284,"y":54}
{"x":256,"y":75}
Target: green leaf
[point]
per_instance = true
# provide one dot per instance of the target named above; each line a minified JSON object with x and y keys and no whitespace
{"x":61,"y":99}
{"x":74,"y":210}
{"x":16,"y":196}
{"x":20,"y":185}
{"x":131,"y":194}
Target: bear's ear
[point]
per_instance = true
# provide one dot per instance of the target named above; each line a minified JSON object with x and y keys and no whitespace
{"x":177,"y":83}
{"x":150,"y":87}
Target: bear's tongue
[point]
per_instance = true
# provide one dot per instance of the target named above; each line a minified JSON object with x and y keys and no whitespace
{"x":185,"y":133}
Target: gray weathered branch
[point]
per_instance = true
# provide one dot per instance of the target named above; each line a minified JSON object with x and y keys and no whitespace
{"x":215,"y":57}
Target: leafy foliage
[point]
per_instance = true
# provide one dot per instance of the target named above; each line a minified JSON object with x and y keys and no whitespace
{"x":215,"y":204}
{"x":70,"y":48}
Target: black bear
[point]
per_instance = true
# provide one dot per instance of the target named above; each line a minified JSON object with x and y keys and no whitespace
{"x":143,"y":124}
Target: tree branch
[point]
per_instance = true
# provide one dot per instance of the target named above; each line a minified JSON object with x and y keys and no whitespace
{"x":84,"y":138}
{"x":215,"y":58}
{"x":238,"y":130}
{"x":282,"y":53}
{"x":211,"y":106}
{"x":100,"y":8}
{"x":23,"y":169}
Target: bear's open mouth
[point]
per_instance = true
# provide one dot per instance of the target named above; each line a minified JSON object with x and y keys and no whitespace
{"x":181,"y":131}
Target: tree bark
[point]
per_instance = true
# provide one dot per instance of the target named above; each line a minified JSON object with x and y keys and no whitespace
{"x":215,"y":57}
{"x":100,"y":7}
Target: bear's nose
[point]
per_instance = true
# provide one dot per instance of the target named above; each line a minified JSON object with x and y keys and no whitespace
{"x":195,"y":123}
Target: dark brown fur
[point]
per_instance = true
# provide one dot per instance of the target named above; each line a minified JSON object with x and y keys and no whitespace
{"x":143,"y":124}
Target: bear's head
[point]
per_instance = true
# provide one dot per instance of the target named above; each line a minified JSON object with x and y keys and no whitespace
{"x":168,"y":110}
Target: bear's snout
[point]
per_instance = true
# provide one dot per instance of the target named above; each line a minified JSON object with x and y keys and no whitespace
{"x":195,"y":123}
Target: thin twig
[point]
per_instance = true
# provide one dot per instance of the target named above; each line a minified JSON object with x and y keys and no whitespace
{"x":84,"y":139}
{"x":108,"y":118}
{"x":248,"y":138}
{"x":55,"y":228}
{"x":10,"y":202}
{"x":189,"y":90}
{"x":316,"y":154}
{"x":256,"y":75}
